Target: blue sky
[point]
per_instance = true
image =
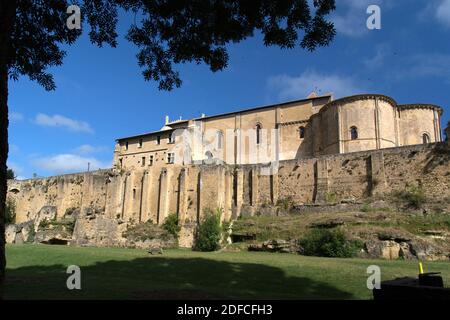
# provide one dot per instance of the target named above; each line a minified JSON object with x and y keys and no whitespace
{"x":102,"y":95}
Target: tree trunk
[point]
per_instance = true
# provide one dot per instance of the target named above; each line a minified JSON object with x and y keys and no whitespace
{"x":7,"y":14}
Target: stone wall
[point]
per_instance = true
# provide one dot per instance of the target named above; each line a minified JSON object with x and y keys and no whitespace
{"x":140,"y":195}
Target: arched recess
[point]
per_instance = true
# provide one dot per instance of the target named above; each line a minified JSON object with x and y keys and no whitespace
{"x":353,"y":133}
{"x":426,"y":138}
{"x":258,"y":129}
{"x":180,"y":196}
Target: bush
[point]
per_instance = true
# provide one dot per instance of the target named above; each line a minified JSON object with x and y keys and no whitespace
{"x":331,"y":197}
{"x":413,"y":197}
{"x":171,"y":224}
{"x":329,"y":243}
{"x":209,"y":232}
{"x":285,"y":203}
{"x":366,"y":207}
{"x":10,"y":214}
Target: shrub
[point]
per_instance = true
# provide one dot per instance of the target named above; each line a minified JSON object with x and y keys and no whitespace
{"x":285,"y":203}
{"x":414,"y":197}
{"x":171,"y":224}
{"x":44,"y":224}
{"x":366,"y":207}
{"x":331,"y":197}
{"x":209,"y":232}
{"x":329,"y":243}
{"x":10,"y":214}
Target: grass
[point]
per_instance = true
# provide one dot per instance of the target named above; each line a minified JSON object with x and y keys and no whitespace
{"x":295,"y":226}
{"x":39,"y":272}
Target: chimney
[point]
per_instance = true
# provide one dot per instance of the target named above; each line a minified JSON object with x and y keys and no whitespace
{"x":167,"y":119}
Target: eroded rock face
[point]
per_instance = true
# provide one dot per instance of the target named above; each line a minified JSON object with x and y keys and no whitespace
{"x":187,"y":235}
{"x":20,"y":233}
{"x":53,"y":237}
{"x":10,"y":233}
{"x":277,"y":245}
{"x":423,"y":249}
{"x":97,"y":230}
{"x":409,"y":250}
{"x":46,"y":213}
{"x":148,"y":235}
{"x":27,"y":231}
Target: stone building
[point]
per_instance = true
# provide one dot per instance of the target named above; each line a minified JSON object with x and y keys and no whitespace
{"x":311,"y":127}
{"x":246,"y":162}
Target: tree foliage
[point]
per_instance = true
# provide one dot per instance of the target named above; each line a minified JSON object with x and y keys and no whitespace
{"x":10,"y":174}
{"x":169,"y":32}
{"x":171,"y":224}
{"x":33,"y":35}
{"x":209,"y":232}
{"x":10,"y":209}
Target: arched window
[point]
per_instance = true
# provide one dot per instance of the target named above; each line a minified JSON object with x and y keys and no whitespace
{"x":353,"y":133}
{"x":219,"y":139}
{"x":301,"y":131}
{"x":258,"y":133}
{"x":426,"y":138}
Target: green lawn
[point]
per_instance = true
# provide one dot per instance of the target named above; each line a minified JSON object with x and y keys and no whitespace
{"x":39,"y":272}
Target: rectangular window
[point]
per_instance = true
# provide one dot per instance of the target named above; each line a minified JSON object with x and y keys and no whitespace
{"x":150,"y":163}
{"x":126,"y":145}
{"x":140,"y":143}
{"x":121,"y":162}
{"x":170,"y":157}
{"x":171,"y":138}
{"x":143,"y":161}
{"x":158,"y":140}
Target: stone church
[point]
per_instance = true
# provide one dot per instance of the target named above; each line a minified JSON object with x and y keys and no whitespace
{"x":245,"y":163}
{"x":311,"y":127}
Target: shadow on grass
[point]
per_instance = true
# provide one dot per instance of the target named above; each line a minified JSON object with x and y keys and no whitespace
{"x":166,"y":278}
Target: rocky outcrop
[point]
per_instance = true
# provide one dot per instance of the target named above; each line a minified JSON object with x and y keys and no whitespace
{"x":47,"y":213}
{"x":277,"y":245}
{"x":401,"y":247}
{"x":53,"y":236}
{"x":99,"y":231}
{"x":20,"y":233}
{"x":148,"y":235}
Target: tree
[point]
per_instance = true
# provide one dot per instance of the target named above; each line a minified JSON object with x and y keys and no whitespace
{"x":10,"y":174}
{"x":170,"y":32}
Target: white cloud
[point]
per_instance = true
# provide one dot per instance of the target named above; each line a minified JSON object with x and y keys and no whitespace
{"x":443,"y":12}
{"x":15,"y":116}
{"x":69,"y":163}
{"x":64,"y":122}
{"x":382,"y":51}
{"x":289,"y":87}
{"x":89,"y":149}
{"x":436,"y":65}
